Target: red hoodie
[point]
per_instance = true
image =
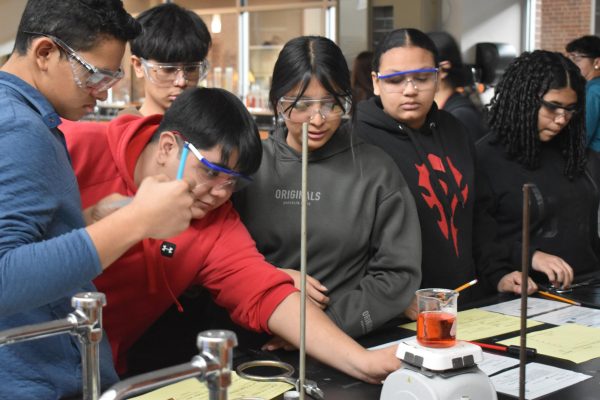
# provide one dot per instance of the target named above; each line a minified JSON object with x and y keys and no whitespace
{"x":216,"y":252}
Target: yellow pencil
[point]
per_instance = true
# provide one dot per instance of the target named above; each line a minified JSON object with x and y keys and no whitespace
{"x":559,"y":298}
{"x":466,"y":285}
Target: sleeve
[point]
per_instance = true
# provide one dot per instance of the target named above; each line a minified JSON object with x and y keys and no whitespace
{"x":592,"y":113}
{"x":239,"y":278}
{"x":393,"y":270}
{"x":492,"y":256}
{"x":42,"y":256}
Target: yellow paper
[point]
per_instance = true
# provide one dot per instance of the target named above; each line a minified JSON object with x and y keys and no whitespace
{"x":478,"y":324}
{"x":571,"y":342}
{"x":192,"y":389}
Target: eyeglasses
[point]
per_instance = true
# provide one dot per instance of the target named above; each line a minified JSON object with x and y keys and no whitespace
{"x":304,"y":109}
{"x":576,"y":57}
{"x":214,"y":175}
{"x":165,"y":74}
{"x":423,"y":79}
{"x":554,"y":108}
{"x":86,"y":75}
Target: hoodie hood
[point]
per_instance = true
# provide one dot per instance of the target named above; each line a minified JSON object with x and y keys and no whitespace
{"x":127,"y":136}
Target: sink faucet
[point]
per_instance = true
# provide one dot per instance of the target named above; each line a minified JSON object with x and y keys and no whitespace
{"x":85,"y":323}
{"x":213,"y":365}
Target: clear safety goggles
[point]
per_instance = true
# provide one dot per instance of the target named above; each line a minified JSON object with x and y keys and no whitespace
{"x":304,"y":109}
{"x":165,"y":74}
{"x":86,"y":75}
{"x":423,"y":79}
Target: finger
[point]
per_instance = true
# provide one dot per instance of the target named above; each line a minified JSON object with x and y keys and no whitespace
{"x":317,"y":295}
{"x":316,"y":303}
{"x":531,"y":286}
{"x":316,"y":283}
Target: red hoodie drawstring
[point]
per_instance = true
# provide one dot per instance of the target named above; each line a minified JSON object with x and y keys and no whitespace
{"x":155,"y":264}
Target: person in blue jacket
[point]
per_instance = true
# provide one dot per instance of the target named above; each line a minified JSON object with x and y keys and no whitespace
{"x":67,"y":55}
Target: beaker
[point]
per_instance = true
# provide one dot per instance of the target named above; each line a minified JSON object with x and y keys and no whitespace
{"x":436,"y":323}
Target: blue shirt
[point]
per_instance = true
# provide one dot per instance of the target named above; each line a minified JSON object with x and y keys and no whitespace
{"x":592,"y":113}
{"x":45,"y":254}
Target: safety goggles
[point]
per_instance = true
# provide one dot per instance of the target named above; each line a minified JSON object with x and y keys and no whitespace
{"x":555,"y":109}
{"x":423,"y":79}
{"x":211,"y":174}
{"x":304,"y":109}
{"x":577,"y":57}
{"x":86,"y":75}
{"x":165,"y":74}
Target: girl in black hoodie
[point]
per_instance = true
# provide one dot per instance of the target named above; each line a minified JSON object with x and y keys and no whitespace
{"x":433,"y":151}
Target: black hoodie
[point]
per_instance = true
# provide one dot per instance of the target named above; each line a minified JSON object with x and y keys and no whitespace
{"x":437,"y":162}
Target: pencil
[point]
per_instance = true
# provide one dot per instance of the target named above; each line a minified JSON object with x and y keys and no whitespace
{"x":466,"y":285}
{"x":559,"y":298}
{"x":184,"y":154}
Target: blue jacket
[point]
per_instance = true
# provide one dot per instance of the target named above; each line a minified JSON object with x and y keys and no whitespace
{"x":592,"y":113}
{"x":45,"y":254}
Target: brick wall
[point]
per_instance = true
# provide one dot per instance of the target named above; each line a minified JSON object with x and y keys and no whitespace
{"x":560,"y":21}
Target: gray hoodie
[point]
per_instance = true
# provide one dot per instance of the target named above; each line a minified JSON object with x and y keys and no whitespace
{"x":363,"y":229}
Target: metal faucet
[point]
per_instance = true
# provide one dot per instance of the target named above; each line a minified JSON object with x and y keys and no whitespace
{"x":213,"y":365}
{"x":85,"y":323}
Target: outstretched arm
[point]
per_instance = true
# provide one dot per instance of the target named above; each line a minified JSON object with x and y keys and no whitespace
{"x":328,"y":344}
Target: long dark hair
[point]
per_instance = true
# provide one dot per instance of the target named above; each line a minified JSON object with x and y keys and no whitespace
{"x":513,"y":111}
{"x":405,"y":37}
{"x":307,"y":56}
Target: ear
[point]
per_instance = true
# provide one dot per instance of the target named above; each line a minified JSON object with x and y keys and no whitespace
{"x":43,"y":50}
{"x":444,"y":67}
{"x":596,"y":63}
{"x":375,"y":83}
{"x":167,"y":148}
{"x":138,"y":68}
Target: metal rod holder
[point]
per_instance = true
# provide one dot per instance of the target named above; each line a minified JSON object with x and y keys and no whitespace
{"x":213,"y":365}
{"x":85,"y":323}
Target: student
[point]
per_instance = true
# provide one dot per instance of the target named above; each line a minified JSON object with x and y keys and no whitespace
{"x":585,"y":53}
{"x":537,"y":136}
{"x":216,"y":251}
{"x":451,"y":95}
{"x":433,"y":151}
{"x":67,"y":54}
{"x":364,"y":245}
{"x":169,"y":55}
{"x":362,"y":85}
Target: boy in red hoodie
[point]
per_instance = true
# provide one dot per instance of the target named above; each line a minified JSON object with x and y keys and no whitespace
{"x":221,"y":148}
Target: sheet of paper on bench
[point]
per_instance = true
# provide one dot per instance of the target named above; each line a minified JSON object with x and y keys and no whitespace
{"x":572,"y":315}
{"x":571,"y":342}
{"x":479,"y":324}
{"x":192,"y":389}
{"x":535,"y":306}
{"x":541,"y":380}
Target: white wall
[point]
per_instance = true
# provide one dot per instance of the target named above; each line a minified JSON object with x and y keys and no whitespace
{"x":10,"y":16}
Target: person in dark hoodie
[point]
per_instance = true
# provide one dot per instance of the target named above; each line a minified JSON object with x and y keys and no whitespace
{"x":216,"y":250}
{"x":451,"y":95}
{"x":433,"y":151}
{"x":538,"y":136}
{"x":364,"y":246}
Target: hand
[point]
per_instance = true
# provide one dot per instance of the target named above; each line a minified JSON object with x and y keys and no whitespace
{"x":376,"y":365}
{"x":512,"y":283}
{"x":106,"y":206}
{"x":276,"y":343}
{"x":559,"y":273}
{"x":314,"y":289}
{"x":163,"y":206}
{"x":412,"y":312}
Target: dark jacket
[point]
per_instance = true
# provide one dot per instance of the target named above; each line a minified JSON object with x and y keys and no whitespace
{"x":465,"y":111}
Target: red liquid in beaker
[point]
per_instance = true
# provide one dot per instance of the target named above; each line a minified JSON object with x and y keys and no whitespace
{"x":436,"y":329}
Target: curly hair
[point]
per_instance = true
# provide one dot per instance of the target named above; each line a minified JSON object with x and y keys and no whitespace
{"x":513,"y":111}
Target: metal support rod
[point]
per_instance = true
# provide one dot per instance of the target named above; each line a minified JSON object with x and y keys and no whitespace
{"x":524,"y":283}
{"x":303,"y":249}
{"x":213,"y":365}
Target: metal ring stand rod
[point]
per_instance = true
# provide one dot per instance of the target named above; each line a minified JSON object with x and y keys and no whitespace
{"x":302,"y":354}
{"x":524,"y":283}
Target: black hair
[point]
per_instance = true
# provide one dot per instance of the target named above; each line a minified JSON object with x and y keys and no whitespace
{"x":448,"y":51}
{"x":362,"y":84}
{"x":304,"y":57}
{"x":79,"y":23}
{"x":513,"y":111}
{"x":589,"y":45}
{"x":208,"y":117}
{"x":171,"y":33}
{"x":404,"y":37}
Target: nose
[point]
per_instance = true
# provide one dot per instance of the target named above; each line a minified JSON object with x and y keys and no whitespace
{"x":180,"y":79}
{"x":561,"y":118}
{"x":102,"y":95}
{"x":410,"y":87}
{"x":317,"y":118}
